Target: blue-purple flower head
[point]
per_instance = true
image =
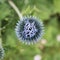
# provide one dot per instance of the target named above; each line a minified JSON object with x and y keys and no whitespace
{"x":1,"y":53}
{"x":29,"y":30}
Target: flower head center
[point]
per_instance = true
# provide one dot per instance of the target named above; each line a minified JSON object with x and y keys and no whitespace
{"x":29,"y":29}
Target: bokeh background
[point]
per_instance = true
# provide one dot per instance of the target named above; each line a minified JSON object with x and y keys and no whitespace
{"x":48,"y":48}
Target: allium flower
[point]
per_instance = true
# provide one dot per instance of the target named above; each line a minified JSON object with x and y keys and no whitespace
{"x":1,"y":53}
{"x":37,"y":57}
{"x":58,"y":38}
{"x":29,"y":30}
{"x":43,"y":41}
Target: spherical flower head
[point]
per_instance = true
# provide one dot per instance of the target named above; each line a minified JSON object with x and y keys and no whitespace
{"x":37,"y":57}
{"x":1,"y":53}
{"x":58,"y":38}
{"x":29,"y":30}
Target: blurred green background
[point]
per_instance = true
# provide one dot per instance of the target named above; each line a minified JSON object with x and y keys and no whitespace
{"x":48,"y":48}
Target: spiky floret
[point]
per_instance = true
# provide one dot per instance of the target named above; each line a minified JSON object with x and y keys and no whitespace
{"x":1,"y":53}
{"x":29,"y":30}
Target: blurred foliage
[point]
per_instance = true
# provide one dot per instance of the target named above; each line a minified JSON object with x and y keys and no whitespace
{"x":48,"y":11}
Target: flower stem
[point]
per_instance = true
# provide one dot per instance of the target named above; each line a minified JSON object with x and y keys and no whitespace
{"x":0,"y":42}
{"x":15,"y":8}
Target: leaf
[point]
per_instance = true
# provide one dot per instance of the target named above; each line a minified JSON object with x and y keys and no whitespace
{"x":39,"y":8}
{"x":11,"y":38}
{"x":4,"y":10}
{"x":56,"y":6}
{"x":2,"y":1}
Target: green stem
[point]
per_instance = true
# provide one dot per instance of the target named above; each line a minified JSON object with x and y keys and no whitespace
{"x":15,"y":8}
